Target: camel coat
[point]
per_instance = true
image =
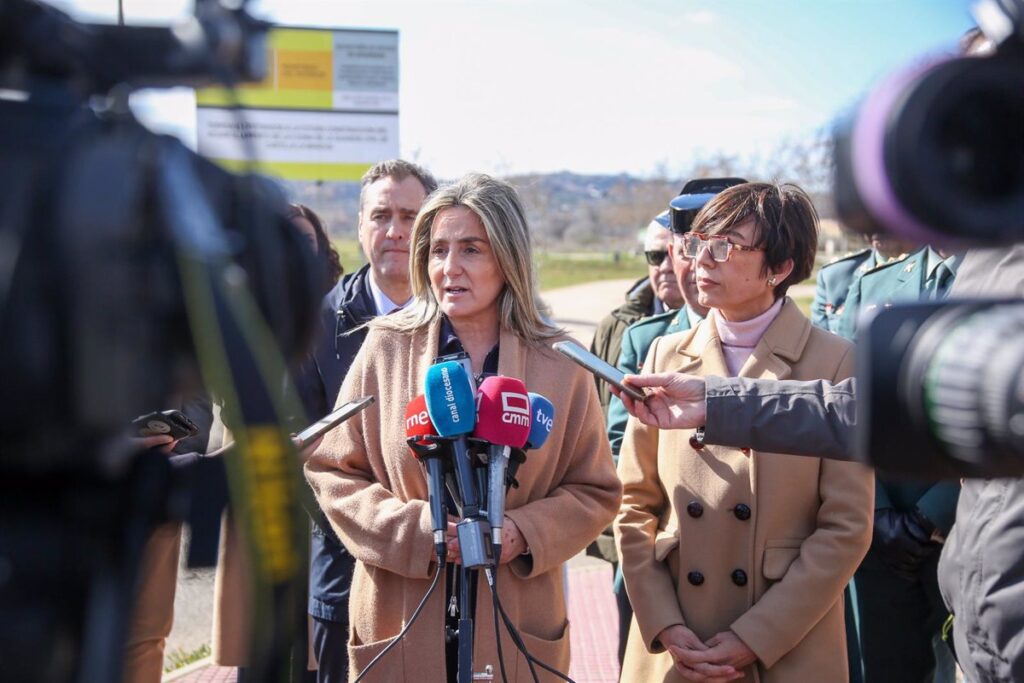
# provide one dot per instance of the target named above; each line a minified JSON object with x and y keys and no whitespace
{"x":761,"y":544}
{"x":374,"y":494}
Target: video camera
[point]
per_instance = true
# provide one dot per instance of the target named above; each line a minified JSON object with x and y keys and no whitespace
{"x":132,"y":270}
{"x":935,"y":155}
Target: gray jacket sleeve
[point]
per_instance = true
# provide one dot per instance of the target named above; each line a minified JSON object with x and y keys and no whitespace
{"x":782,"y":416}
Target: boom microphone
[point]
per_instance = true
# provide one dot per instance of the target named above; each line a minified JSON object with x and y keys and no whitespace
{"x":542,"y":419}
{"x":432,"y":454}
{"x":503,"y":420}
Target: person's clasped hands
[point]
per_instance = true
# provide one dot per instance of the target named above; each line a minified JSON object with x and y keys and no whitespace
{"x":722,"y":658}
{"x":674,"y":400}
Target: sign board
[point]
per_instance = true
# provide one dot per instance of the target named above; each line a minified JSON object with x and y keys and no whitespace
{"x":328,"y":109}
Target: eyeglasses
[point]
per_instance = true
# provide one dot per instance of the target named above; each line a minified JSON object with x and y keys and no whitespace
{"x":690,"y":244}
{"x":656,"y":258}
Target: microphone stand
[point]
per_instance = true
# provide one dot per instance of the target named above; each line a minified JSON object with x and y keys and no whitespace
{"x":468,"y":584}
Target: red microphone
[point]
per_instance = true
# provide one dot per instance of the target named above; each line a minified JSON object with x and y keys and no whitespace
{"x":502,"y":420}
{"x":432,"y":455}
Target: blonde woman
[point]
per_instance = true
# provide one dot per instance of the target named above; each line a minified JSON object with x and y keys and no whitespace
{"x":475,"y":291}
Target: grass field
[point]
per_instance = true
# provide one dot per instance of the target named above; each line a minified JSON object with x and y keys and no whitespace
{"x":556,"y":269}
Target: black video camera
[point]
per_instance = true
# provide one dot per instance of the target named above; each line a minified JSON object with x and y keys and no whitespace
{"x":131,"y":270}
{"x":935,"y":155}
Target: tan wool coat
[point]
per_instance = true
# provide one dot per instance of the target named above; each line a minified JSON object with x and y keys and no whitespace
{"x":762,"y":544}
{"x":374,"y":493}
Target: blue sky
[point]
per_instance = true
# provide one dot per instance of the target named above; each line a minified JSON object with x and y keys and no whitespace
{"x":605,"y":86}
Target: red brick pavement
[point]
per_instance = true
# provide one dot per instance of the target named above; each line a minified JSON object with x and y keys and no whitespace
{"x":594,"y":629}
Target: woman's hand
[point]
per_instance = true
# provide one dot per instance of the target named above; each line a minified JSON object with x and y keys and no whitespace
{"x":727,"y":648}
{"x":692,"y":657}
{"x":512,"y":542}
{"x":452,"y":536}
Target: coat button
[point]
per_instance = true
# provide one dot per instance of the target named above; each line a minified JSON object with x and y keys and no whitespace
{"x":695,"y":509}
{"x":695,"y":578}
{"x":739,"y":577}
{"x":742,"y":512}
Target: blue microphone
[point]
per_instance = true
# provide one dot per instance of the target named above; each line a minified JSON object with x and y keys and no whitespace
{"x":542,"y":419}
{"x":452,"y":408}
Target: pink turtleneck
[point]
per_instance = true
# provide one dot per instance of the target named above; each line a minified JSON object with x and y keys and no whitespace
{"x":740,"y":337}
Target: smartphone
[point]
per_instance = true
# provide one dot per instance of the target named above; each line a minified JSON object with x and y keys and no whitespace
{"x":173,"y":423}
{"x":331,"y":420}
{"x":608,"y":373}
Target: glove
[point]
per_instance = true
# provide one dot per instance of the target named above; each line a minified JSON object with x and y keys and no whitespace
{"x":902,"y":541}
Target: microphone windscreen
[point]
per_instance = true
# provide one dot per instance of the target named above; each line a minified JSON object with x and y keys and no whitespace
{"x":502,"y":412}
{"x":542,"y":419}
{"x":417,"y":419}
{"x":450,"y":401}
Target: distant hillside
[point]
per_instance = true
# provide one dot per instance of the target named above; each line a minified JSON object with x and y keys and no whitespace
{"x":600,"y":212}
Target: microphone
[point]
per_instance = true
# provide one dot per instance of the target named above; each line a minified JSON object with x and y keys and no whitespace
{"x":542,"y":419}
{"x":503,"y":420}
{"x":431,"y":454}
{"x":452,"y":408}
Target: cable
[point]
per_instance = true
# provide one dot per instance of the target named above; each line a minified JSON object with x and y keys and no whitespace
{"x":405,"y":629}
{"x":530,"y":659}
{"x":492,"y":581}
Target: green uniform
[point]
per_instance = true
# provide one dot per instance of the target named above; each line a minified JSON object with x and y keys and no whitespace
{"x":636,"y":340}
{"x":899,"y":617}
{"x":833,"y":284}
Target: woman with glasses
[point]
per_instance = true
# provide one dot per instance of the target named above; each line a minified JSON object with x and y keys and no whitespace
{"x":735,"y":561}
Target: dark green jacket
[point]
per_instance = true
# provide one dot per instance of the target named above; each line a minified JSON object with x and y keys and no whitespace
{"x":608,"y":336}
{"x":901,"y":281}
{"x":833,"y":284}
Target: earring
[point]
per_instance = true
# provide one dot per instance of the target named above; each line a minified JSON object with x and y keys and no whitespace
{"x":771,"y":281}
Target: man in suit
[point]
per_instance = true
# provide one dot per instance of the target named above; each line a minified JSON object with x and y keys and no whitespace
{"x":900,"y":609}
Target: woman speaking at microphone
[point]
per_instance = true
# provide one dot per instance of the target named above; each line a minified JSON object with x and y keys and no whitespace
{"x":475,"y":291}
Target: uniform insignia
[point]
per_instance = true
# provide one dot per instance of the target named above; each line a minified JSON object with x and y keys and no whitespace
{"x":909,"y":267}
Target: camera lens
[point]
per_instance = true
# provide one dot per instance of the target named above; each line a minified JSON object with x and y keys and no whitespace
{"x":954,"y":150}
{"x":936,"y":155}
{"x":964,"y":382}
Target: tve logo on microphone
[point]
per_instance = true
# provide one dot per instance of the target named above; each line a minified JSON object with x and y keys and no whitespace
{"x":515,"y":409}
{"x":542,"y":418}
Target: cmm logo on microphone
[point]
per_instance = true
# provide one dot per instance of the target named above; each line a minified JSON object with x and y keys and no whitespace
{"x":515,"y":408}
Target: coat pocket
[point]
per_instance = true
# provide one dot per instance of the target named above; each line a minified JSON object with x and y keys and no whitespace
{"x":664,"y":543}
{"x":778,"y":556}
{"x":554,"y":653}
{"x":389,"y":668}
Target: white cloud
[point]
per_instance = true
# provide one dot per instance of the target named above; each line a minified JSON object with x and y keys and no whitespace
{"x":702,"y":16}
